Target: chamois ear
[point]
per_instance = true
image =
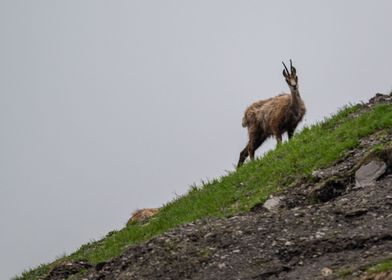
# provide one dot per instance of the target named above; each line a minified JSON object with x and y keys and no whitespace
{"x":285,"y":73}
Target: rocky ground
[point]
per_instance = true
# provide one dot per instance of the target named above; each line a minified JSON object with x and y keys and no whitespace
{"x":330,"y":226}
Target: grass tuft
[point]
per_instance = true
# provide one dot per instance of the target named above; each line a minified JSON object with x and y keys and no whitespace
{"x":383,"y":266}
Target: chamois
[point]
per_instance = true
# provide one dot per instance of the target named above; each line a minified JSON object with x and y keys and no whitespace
{"x":273,"y":116}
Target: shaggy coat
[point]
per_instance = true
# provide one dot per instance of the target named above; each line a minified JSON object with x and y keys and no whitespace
{"x":273,"y":116}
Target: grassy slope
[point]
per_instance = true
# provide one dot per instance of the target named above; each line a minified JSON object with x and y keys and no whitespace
{"x":313,"y":148}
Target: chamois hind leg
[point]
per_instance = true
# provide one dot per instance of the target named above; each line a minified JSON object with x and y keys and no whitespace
{"x":243,"y":155}
{"x":254,"y":143}
{"x":250,"y":149}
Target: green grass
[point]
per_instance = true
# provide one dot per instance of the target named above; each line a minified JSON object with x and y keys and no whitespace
{"x":314,"y":147}
{"x":383,"y":266}
{"x":344,"y":272}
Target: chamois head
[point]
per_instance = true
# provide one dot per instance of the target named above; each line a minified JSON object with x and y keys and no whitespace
{"x":291,"y":78}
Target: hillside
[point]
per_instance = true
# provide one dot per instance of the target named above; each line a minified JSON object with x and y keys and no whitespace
{"x":329,"y":217}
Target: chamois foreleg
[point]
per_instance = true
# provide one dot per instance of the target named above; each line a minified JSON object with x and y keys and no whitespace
{"x":290,"y":131}
{"x":278,"y":138}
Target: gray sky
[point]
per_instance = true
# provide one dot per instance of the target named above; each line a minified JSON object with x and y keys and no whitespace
{"x":109,"y":106}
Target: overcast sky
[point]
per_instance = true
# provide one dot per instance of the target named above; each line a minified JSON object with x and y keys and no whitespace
{"x":110,"y":106}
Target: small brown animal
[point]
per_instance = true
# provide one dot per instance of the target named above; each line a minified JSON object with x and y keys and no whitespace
{"x":142,"y":215}
{"x":273,"y":116}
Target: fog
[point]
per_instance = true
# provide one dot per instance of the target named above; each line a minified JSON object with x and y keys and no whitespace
{"x":110,"y":106}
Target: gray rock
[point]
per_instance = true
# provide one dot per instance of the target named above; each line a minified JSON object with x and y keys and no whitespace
{"x":272,"y":204}
{"x":318,"y":174}
{"x":326,"y":271}
{"x":221,"y":265}
{"x":368,"y":173}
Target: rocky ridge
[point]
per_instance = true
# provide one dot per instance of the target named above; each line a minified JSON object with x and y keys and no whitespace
{"x":330,"y":226}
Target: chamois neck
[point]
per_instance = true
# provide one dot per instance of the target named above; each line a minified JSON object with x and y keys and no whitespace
{"x":295,"y":97}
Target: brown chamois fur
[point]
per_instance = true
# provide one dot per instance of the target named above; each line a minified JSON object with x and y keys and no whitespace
{"x":273,"y":116}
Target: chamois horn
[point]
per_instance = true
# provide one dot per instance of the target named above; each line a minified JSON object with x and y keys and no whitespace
{"x":287,"y":71}
{"x":292,"y":68}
